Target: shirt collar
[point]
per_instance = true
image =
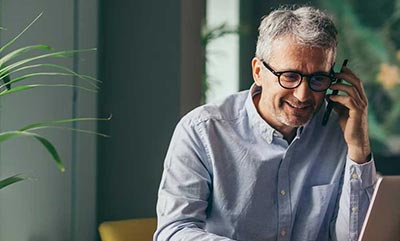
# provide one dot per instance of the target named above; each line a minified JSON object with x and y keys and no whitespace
{"x":259,"y":124}
{"x":255,"y":120}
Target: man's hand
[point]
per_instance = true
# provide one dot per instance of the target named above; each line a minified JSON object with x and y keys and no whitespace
{"x":353,"y":115}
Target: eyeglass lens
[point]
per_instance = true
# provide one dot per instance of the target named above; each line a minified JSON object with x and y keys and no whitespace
{"x":316,"y":82}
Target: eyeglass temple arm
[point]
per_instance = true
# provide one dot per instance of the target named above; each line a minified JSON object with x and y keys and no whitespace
{"x":269,"y":68}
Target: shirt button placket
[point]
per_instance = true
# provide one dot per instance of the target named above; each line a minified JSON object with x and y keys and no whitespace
{"x":284,"y":202}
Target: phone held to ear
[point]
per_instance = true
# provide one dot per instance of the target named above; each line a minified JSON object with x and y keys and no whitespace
{"x":330,"y":103}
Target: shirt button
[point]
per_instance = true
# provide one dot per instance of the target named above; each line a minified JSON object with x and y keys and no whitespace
{"x":283,"y":193}
{"x":354,"y":209}
{"x":354,"y":176}
{"x":283,"y":232}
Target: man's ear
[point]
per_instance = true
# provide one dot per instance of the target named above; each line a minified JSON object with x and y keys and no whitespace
{"x":256,"y":66}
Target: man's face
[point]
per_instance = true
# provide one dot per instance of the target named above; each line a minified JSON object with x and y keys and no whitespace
{"x":290,"y":108}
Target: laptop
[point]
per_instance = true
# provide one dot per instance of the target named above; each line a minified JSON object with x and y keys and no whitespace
{"x":382,"y":222}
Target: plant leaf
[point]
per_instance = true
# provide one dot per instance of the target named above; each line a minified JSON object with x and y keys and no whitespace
{"x":27,"y":87}
{"x":48,"y":124}
{"x":21,"y":51}
{"x":52,"y":151}
{"x":6,"y":79}
{"x":71,"y":129}
{"x":19,"y":35}
{"x":90,"y":80}
{"x":59,"y":54}
{"x":56,"y":122}
{"x":4,"y":136}
{"x":11,"y":180}
{"x":67,"y":70}
{"x":28,"y":76}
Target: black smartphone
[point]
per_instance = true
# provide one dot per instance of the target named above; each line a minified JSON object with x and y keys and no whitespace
{"x":330,"y":103}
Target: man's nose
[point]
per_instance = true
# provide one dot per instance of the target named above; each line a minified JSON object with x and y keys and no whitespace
{"x":303,"y":91}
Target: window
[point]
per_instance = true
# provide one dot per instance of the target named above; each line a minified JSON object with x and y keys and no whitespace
{"x":222,"y":49}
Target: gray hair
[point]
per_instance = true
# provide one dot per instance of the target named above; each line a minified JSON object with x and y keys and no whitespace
{"x":309,"y":26}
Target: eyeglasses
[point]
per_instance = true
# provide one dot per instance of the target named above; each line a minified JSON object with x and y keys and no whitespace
{"x":319,"y":81}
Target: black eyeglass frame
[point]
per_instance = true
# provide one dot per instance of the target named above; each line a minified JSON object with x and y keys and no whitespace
{"x":278,"y":74}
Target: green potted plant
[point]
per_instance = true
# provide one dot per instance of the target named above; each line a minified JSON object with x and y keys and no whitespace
{"x":18,"y":69}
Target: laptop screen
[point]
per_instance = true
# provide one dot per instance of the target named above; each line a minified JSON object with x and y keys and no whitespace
{"x":382,"y":222}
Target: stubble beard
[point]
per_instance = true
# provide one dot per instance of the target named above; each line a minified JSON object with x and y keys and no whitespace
{"x":291,"y":119}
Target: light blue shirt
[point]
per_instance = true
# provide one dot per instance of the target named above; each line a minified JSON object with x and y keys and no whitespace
{"x":228,"y":175}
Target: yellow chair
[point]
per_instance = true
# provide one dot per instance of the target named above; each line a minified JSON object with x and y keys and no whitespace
{"x":128,"y":230}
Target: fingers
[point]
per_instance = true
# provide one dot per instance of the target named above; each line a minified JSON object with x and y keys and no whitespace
{"x":350,"y":103}
{"x":355,"y":82}
{"x":353,"y":98}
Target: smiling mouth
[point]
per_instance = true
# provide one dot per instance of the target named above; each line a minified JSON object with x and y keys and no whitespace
{"x":299,"y":107}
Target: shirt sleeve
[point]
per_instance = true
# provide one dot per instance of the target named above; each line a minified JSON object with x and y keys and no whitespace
{"x":357,"y":189}
{"x":184,"y":192}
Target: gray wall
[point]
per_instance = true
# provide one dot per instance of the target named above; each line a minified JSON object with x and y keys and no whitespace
{"x":151,"y":65}
{"x":54,"y":206}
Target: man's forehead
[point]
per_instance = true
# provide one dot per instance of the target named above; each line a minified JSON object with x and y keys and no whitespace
{"x":289,"y":47}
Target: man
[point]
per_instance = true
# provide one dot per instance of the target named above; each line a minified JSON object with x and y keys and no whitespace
{"x":260,"y":165}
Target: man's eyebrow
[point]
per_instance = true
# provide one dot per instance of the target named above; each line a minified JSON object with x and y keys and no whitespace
{"x":298,"y":71}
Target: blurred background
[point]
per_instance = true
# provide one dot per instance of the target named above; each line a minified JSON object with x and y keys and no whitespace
{"x":156,"y":60}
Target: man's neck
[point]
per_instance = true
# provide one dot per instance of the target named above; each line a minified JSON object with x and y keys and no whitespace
{"x":290,"y":135}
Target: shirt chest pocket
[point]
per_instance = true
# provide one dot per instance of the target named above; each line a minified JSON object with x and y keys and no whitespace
{"x":314,"y":213}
